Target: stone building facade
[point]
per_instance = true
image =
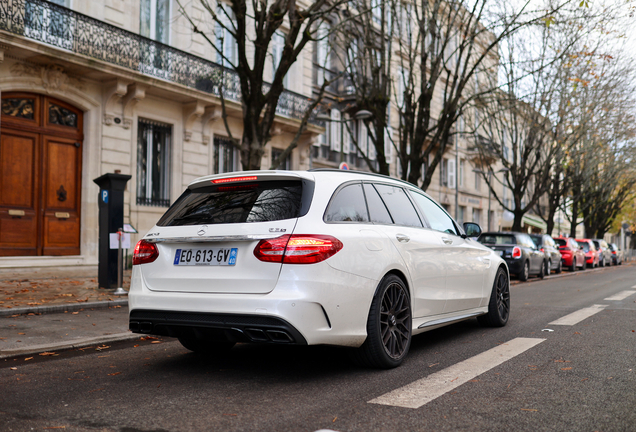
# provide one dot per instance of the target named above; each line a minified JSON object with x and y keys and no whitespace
{"x":117,"y":86}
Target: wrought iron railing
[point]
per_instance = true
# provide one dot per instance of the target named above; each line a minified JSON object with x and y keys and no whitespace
{"x":64,"y":28}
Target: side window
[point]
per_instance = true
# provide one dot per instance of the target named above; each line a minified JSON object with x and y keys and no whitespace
{"x":347,"y":205}
{"x":437,"y":218}
{"x":377,"y":209}
{"x":399,"y":205}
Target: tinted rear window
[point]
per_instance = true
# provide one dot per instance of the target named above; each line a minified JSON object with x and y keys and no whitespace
{"x":585,"y":246}
{"x":248,"y":202}
{"x":497,"y":239}
{"x":561,"y":242}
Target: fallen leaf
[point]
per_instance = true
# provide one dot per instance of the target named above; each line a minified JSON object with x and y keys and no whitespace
{"x":48,"y":354}
{"x":567,"y":368}
{"x":14,"y":368}
{"x":155,"y":342}
{"x":55,"y":427}
{"x":103,"y":347}
{"x":96,"y":390}
{"x":333,"y":421}
{"x":28,"y":358}
{"x":20,"y":333}
{"x":434,"y":364}
{"x":562,"y":361}
{"x":528,"y":409}
{"x":114,"y":373}
{"x":75,"y":313}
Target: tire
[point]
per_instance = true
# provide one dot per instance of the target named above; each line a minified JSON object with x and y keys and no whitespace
{"x":548,"y":269}
{"x":584,"y":266}
{"x":559,"y":269}
{"x":542,"y":271}
{"x":204,"y":347}
{"x":388,"y":326}
{"x":499,"y":305}
{"x":573,"y":266}
{"x":525,"y":272}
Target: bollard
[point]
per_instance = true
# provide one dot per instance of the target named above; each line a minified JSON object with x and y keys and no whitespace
{"x":120,"y":266}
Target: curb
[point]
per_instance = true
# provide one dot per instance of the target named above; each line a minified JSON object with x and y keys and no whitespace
{"x":562,"y":274}
{"x":63,"y":307}
{"x":61,"y":346}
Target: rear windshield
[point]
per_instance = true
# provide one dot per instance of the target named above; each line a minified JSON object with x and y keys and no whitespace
{"x":585,"y":246}
{"x":536,"y":240}
{"x":497,"y":239}
{"x":246,"y":202}
{"x":561,"y":242}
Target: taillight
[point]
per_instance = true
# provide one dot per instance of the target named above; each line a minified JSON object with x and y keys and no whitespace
{"x":516,"y":252}
{"x":542,"y":250}
{"x":145,"y":252}
{"x":297,"y":249}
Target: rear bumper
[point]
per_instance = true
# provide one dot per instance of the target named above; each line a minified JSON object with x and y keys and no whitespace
{"x":215,"y":326}
{"x":515,"y":266}
{"x":331,"y":309}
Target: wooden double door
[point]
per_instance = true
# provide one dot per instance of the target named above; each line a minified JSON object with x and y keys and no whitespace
{"x":40,"y":176}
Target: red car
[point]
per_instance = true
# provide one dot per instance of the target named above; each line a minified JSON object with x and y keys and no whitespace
{"x":591,"y":254}
{"x":571,"y":253}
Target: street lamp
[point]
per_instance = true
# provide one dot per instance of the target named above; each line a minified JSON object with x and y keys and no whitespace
{"x":360,"y":115}
{"x":478,"y":171}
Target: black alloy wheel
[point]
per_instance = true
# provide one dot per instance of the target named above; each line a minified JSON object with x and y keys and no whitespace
{"x":542,"y":271}
{"x":499,"y":305}
{"x":395,"y":313}
{"x":388,"y":326}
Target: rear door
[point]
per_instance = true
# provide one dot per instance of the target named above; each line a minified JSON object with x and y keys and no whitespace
{"x":206,"y":240}
{"x":420,"y":248}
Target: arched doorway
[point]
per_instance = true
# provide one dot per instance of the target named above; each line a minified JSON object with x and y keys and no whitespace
{"x":40,"y":176}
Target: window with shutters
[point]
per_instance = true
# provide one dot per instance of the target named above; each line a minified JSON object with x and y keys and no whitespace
{"x":153,"y":163}
{"x":224,"y":38}
{"x":451,"y":173}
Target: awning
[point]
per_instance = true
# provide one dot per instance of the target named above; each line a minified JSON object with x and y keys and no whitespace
{"x":534,"y":221}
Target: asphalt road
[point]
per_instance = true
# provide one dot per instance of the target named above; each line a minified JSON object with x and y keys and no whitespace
{"x":578,"y":377}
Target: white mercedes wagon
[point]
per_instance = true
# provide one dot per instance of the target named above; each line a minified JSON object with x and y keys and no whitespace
{"x":311,"y":257}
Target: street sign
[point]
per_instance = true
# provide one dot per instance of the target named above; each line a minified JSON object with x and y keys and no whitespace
{"x":344,"y":166}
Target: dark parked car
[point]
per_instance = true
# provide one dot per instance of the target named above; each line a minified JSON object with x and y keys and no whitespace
{"x":519,"y":251}
{"x":605,"y":254}
{"x":546,"y":244}
{"x":617,"y":254}
{"x":572,"y":253}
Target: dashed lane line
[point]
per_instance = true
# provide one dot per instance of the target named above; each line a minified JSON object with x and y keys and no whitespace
{"x":424,"y":390}
{"x":580,"y":315}
{"x":621,"y":295}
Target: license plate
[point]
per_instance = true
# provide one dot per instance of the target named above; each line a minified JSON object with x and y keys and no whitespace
{"x":206,"y":256}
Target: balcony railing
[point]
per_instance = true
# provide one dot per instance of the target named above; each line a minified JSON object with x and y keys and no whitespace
{"x":72,"y":31}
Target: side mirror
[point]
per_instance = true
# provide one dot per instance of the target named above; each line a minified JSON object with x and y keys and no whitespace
{"x":472,"y":229}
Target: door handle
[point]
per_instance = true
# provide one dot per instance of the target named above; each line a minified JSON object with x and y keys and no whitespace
{"x":446,"y":240}
{"x":402,"y":238}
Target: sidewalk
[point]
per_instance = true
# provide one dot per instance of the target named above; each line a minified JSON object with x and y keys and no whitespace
{"x":59,"y":309}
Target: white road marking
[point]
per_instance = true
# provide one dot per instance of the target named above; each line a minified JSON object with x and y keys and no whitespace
{"x":424,"y":390}
{"x":580,"y":315}
{"x":621,"y":295}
